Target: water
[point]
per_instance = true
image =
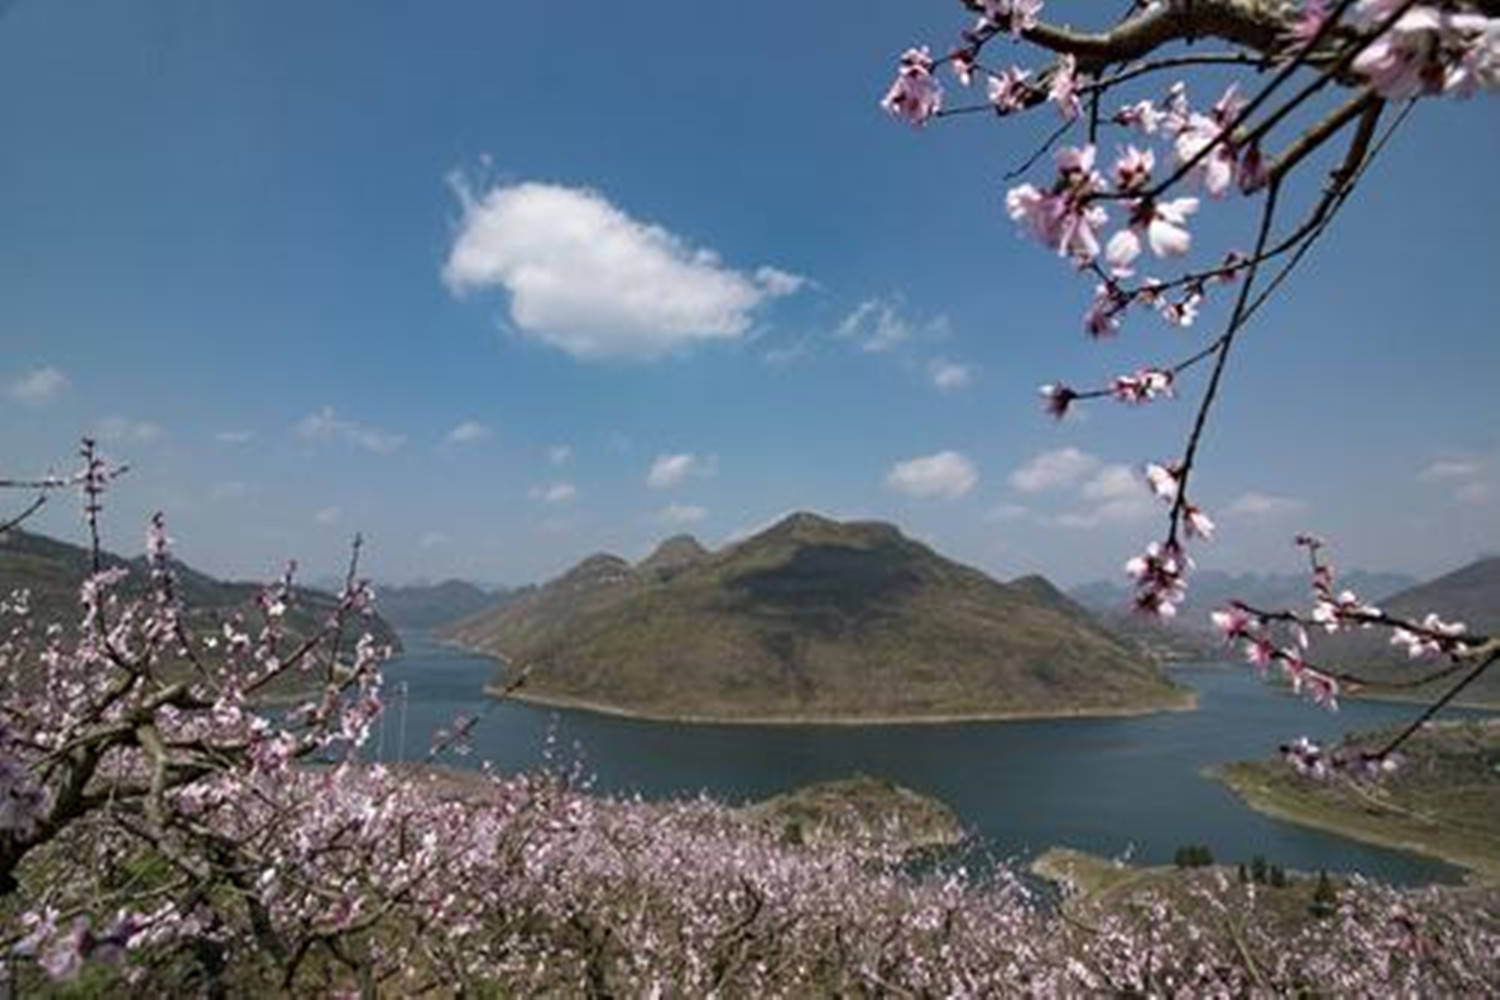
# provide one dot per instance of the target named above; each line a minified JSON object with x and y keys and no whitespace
{"x":1109,"y":786}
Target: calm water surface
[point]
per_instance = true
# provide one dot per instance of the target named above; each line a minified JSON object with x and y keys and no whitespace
{"x":1105,"y":785}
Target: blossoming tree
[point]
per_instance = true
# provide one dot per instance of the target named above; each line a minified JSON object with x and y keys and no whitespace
{"x":1358,"y":68}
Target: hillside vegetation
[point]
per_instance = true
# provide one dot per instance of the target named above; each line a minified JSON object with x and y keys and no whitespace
{"x":51,"y":571}
{"x":810,"y":620}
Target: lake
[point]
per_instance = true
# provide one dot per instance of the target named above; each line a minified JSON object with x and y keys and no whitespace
{"x":1110,"y":786}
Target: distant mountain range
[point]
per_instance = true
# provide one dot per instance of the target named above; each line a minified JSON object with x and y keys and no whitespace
{"x":52,"y":571}
{"x":428,"y":605}
{"x":812,"y":619}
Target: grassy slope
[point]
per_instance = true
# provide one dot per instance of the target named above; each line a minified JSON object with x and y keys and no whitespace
{"x":1443,"y":802}
{"x":814,"y":620}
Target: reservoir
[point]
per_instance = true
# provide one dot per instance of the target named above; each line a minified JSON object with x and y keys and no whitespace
{"x":1112,"y":786}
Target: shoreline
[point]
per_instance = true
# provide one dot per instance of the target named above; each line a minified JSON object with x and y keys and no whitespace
{"x":1478,"y":869}
{"x":1189,"y":703}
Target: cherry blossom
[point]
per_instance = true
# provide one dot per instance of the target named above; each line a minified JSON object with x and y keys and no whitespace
{"x":1008,"y":91}
{"x":916,"y":94}
{"x":1063,"y":90}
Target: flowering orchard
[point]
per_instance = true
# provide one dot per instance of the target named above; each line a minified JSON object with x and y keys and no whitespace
{"x":161,"y":833}
{"x":1357,"y":68}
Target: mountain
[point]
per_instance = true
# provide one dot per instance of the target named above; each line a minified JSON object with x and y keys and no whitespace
{"x":811,"y":619}
{"x":672,"y":556}
{"x":1470,"y":595}
{"x":52,"y":571}
{"x":428,"y":605}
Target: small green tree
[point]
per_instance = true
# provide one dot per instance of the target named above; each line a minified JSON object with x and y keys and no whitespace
{"x":1325,"y":899}
{"x":1258,"y":869}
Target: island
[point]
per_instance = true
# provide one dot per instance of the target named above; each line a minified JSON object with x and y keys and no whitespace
{"x":1443,"y":800}
{"x":856,"y":810}
{"x":811,"y":621}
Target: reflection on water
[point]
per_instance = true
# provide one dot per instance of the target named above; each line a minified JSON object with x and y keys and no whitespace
{"x":1103,"y":785}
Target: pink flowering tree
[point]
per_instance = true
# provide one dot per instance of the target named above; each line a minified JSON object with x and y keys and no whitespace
{"x":165,"y":831}
{"x":1357,"y":69}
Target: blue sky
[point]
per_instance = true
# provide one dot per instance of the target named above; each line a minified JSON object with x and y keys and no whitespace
{"x":501,"y":285}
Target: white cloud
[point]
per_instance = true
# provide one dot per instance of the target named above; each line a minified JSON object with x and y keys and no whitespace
{"x":1116,"y":495}
{"x":1005,"y":512}
{"x":878,"y":325}
{"x":122,"y":429}
{"x":469,"y":432}
{"x":328,"y":515}
{"x":1473,"y":493}
{"x":234,"y":437}
{"x":1451,"y":468}
{"x":875,"y":325}
{"x":38,"y":385}
{"x":325,"y":425}
{"x":1254,"y":504}
{"x":671,"y":470}
{"x":434,"y":539}
{"x":949,"y":375}
{"x":553,"y":492}
{"x":787,"y":353}
{"x":947,"y":474}
{"x":584,"y":276}
{"x":681,"y":513}
{"x":560,"y":454}
{"x":1054,"y":469}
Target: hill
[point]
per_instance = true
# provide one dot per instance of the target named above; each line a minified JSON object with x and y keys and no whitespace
{"x":812,"y":620}
{"x":52,"y":571}
{"x":428,"y":605}
{"x":1470,"y":595}
{"x":1443,"y":800}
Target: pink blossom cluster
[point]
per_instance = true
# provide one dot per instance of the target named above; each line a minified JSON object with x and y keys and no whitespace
{"x":1427,"y":50}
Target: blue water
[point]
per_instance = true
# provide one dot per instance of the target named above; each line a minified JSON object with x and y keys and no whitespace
{"x":1109,"y":786}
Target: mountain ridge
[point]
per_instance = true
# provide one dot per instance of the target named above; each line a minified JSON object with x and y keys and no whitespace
{"x":812,"y":620}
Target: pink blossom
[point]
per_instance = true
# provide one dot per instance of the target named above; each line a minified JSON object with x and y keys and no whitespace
{"x":1014,"y":16}
{"x":1142,"y":386}
{"x":1159,"y":574}
{"x":1259,"y":651}
{"x":1063,"y":90}
{"x":1133,"y":168}
{"x":1008,"y":91}
{"x":1142,"y":115}
{"x":1429,"y":51}
{"x":1164,"y":225}
{"x":1232,"y":622}
{"x":1103,"y":315}
{"x":963,"y":65}
{"x":1066,"y":218}
{"x":915,"y":95}
{"x":1305,"y":26}
{"x":1307,"y":757}
{"x":1198,"y":524}
{"x":1165,"y":480}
